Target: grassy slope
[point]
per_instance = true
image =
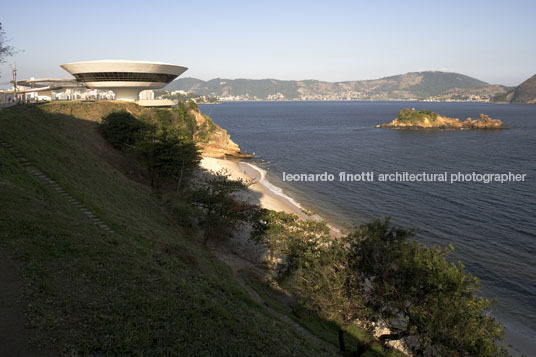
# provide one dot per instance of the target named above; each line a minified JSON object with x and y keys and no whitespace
{"x":148,"y":289}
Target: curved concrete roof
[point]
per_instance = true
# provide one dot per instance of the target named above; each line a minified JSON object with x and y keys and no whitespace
{"x":123,"y":66}
{"x":125,"y":78}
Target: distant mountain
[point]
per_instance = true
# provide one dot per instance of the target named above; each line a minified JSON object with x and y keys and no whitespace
{"x":431,"y":85}
{"x":525,"y":92}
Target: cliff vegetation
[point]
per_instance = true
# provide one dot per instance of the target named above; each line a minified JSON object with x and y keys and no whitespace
{"x":187,"y":119}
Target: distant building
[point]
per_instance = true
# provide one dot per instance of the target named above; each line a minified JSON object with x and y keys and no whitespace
{"x":147,"y":94}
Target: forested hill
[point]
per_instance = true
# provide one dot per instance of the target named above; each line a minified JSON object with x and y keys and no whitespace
{"x":415,"y":85}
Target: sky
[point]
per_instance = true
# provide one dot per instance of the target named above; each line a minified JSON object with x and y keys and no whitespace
{"x":326,"y":40}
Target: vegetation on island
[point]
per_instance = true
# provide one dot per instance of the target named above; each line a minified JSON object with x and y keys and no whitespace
{"x":153,"y":287}
{"x":407,"y":116}
{"x":426,"y":119}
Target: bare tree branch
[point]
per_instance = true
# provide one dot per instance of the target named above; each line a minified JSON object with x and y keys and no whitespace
{"x":5,"y":49}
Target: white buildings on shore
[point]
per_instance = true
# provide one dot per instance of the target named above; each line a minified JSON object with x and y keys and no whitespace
{"x":147,"y":94}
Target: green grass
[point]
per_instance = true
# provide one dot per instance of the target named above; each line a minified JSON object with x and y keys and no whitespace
{"x":149,"y":289}
{"x":326,"y":330}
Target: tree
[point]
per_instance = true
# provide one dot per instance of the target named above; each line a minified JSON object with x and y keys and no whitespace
{"x":187,"y":119}
{"x":327,"y":285}
{"x":168,"y":158}
{"x":303,"y":251}
{"x":224,"y":213}
{"x":159,"y":145}
{"x":122,"y":129}
{"x":417,"y":292}
{"x":5,"y":50}
{"x":291,"y":242}
{"x":378,"y":273}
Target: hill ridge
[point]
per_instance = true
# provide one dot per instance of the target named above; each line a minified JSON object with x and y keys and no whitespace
{"x":525,"y":92}
{"x":433,"y":85}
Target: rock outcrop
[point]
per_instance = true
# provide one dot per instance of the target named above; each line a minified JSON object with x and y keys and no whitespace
{"x":213,"y":140}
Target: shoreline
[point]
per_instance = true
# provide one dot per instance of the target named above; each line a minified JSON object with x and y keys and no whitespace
{"x":359,"y":100}
{"x":262,"y":191}
{"x":269,"y":196}
{"x":257,"y":193}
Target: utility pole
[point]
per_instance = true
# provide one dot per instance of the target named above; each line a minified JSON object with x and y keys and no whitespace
{"x":15,"y":81}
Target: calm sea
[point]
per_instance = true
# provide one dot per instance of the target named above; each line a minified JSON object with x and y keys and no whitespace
{"x":492,"y":226}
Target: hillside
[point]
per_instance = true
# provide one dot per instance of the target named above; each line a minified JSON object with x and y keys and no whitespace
{"x":214,"y":140}
{"x":525,"y":92}
{"x":431,"y":85}
{"x":101,"y":255}
{"x":143,"y":285}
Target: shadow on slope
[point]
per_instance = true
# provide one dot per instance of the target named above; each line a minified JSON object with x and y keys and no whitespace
{"x":149,"y":289}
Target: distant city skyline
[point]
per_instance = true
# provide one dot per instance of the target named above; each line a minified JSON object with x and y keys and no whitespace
{"x":287,"y":40}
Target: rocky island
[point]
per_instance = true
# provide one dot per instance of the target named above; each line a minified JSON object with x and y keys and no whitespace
{"x":426,"y":119}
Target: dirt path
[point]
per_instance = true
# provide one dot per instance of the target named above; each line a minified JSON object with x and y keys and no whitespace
{"x":14,"y":335}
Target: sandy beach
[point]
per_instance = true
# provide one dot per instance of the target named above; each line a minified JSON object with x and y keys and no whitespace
{"x":258,"y":193}
{"x":262,"y":192}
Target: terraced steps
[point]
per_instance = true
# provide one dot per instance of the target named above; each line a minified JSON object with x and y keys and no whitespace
{"x":44,"y":179}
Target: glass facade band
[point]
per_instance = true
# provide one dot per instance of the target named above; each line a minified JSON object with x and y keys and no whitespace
{"x":124,"y":77}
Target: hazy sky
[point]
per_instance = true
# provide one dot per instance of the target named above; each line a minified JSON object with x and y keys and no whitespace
{"x":327,"y":40}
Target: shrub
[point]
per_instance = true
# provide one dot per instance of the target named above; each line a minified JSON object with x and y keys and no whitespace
{"x":223,"y":212}
{"x":158,"y":144}
{"x":378,"y":273}
{"x":121,"y":129}
{"x":167,"y":157}
{"x":413,"y":116}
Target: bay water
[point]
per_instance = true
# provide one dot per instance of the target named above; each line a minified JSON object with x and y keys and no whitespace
{"x":491,"y":225}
